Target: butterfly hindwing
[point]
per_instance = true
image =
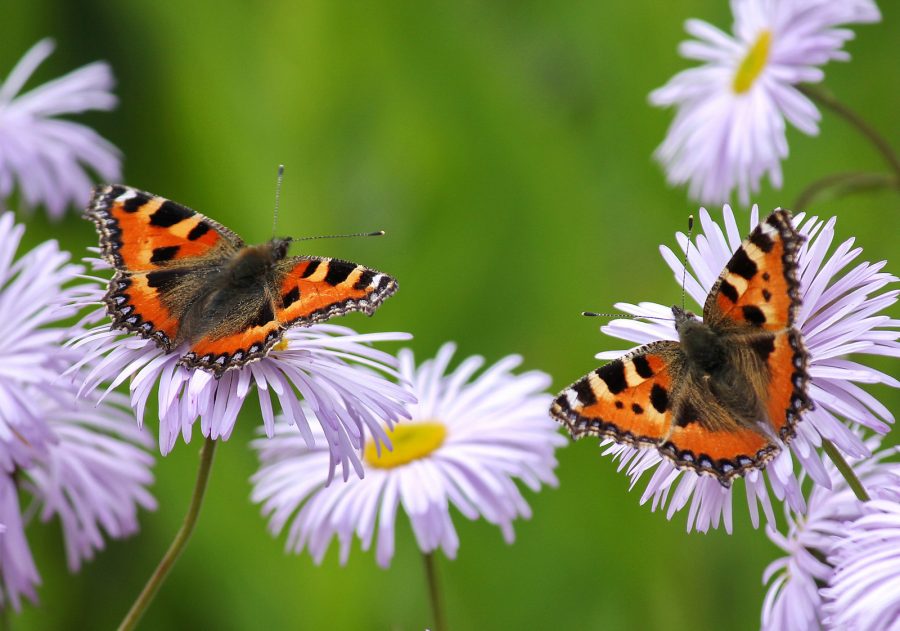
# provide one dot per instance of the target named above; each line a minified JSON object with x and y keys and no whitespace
{"x":759,"y":288}
{"x":313,"y":289}
{"x":233,"y":327}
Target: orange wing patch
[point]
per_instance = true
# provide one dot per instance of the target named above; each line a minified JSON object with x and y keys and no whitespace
{"x":620,"y":400}
{"x":136,"y":306}
{"x":724,"y":454}
{"x":787,"y":383}
{"x":219,"y":354}
{"x":759,"y":286}
{"x":141,"y":232}
{"x":316,"y":289}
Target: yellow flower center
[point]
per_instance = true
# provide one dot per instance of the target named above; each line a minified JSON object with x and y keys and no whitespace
{"x":411,"y":441}
{"x":282,"y":345}
{"x":753,"y":63}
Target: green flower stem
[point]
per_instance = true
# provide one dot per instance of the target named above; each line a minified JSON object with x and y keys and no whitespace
{"x":846,"y":470}
{"x":178,"y":543}
{"x":5,"y":620}
{"x":843,"y":184}
{"x":434,"y":593}
{"x":826,"y":99}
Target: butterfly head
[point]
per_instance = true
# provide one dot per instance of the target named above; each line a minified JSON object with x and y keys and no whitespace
{"x":278,"y":247}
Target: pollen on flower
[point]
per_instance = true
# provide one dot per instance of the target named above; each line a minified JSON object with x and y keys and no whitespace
{"x":410,"y":442}
{"x":752,"y":65}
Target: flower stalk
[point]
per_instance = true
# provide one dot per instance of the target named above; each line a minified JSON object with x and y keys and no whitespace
{"x":178,"y":543}
{"x":826,"y":99}
{"x":434,"y":593}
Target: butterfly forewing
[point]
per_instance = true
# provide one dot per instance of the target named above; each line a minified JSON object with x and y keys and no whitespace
{"x":759,"y":289}
{"x":162,"y":252}
{"x":313,"y":289}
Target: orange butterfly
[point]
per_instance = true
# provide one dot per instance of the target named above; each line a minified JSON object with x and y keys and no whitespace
{"x":182,"y":278}
{"x":721,"y":399}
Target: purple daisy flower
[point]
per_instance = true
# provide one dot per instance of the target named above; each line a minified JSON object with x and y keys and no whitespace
{"x":818,"y":540}
{"x":80,"y":461}
{"x":48,"y":158}
{"x":729,"y":130}
{"x":92,"y":475}
{"x":334,"y":369}
{"x":33,"y":301}
{"x":841,"y":314}
{"x":467,"y":443}
{"x":864,"y":589}
{"x":18,"y":572}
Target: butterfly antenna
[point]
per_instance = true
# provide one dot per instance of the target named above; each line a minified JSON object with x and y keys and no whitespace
{"x":277,"y":196}
{"x":377,"y":233}
{"x":686,"y":250}
{"x":594,"y":314}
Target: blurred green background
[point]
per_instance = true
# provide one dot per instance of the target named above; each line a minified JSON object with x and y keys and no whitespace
{"x":505,"y":147}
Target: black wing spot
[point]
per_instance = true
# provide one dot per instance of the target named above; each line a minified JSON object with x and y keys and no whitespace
{"x":761,"y":240}
{"x":636,"y":408}
{"x":728,"y":290}
{"x":766,"y":277}
{"x":310,"y":269}
{"x":613,"y":374}
{"x":642,"y":366}
{"x":161,"y":255}
{"x":198,"y":231}
{"x":764,"y":347}
{"x":742,"y":265}
{"x":133,"y":204}
{"x":264,"y":316}
{"x":585,"y":393}
{"x":767,"y":295}
{"x":686,"y":415}
{"x":169,"y":214}
{"x":365,"y":279}
{"x":659,"y":398}
{"x":290,"y":297}
{"x":338,"y":271}
{"x":166,"y":279}
{"x":620,"y":405}
{"x":754,"y":315}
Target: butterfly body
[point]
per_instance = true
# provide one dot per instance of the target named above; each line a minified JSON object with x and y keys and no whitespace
{"x":726,"y":396}
{"x":185,"y":281}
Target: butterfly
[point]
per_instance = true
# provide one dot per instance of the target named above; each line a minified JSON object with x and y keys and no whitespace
{"x":723,"y":399}
{"x":183,"y":279}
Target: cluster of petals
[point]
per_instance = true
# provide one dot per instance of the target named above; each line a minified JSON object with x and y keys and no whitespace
{"x":338,"y":373}
{"x":468,"y":442}
{"x":48,"y":160}
{"x":83,"y":462}
{"x":730,"y":124}
{"x":842,"y":314}
{"x":837,"y":530}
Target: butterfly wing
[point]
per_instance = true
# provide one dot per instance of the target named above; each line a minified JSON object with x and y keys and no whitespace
{"x":312,"y":289}
{"x":233,"y":326}
{"x":650,"y":398}
{"x":302,"y":291}
{"x":753,"y":305}
{"x":759,"y":288}
{"x":162,"y":252}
